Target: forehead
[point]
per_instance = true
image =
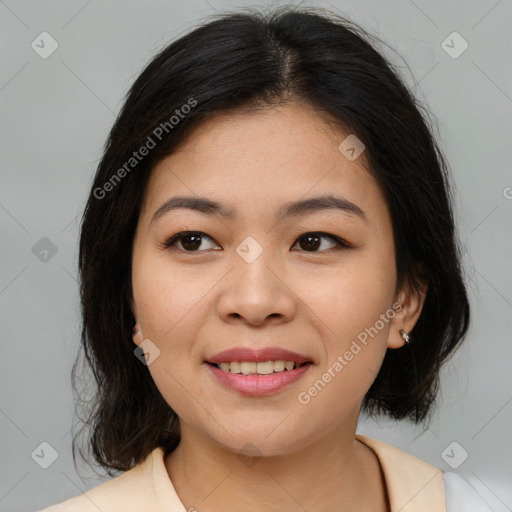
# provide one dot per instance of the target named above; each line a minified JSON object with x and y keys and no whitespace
{"x":262,"y":159}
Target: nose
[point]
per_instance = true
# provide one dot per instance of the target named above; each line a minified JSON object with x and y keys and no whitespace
{"x":256,"y":293}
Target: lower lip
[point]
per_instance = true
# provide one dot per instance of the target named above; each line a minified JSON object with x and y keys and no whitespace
{"x":258,"y":385}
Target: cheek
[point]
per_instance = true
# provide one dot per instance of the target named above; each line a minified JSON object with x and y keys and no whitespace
{"x":354,"y":347}
{"x":354,"y":306}
{"x":167,"y":301}
{"x":165,"y":297}
{"x":352,"y":297}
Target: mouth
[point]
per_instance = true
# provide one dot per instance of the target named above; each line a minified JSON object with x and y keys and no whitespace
{"x":258,"y":372}
{"x":258,"y":368}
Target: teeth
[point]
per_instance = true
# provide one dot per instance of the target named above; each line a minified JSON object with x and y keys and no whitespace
{"x":260,"y":368}
{"x":248,"y":368}
{"x":279,"y":366}
{"x":234,"y":367}
{"x":265,"y":368}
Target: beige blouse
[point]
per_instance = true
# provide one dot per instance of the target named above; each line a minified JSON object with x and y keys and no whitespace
{"x":412,"y":485}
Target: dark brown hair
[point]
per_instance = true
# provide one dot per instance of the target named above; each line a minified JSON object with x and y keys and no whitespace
{"x":228,"y":64}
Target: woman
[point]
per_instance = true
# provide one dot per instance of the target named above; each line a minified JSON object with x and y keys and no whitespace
{"x":268,"y":249}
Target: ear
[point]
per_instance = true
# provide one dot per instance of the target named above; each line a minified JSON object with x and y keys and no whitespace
{"x":406,"y":316}
{"x":137,"y":333}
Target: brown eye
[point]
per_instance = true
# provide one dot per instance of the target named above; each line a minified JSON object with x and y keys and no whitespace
{"x":190,"y":241}
{"x":310,"y":242}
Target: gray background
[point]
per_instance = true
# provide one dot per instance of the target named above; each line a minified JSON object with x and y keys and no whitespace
{"x":55,"y":116}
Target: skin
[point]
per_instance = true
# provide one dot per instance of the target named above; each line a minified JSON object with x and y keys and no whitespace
{"x":192,"y":305}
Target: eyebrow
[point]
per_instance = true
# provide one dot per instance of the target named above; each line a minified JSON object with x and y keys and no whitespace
{"x":292,"y":209}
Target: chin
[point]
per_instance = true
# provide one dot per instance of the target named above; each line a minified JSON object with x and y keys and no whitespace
{"x":260,"y":441}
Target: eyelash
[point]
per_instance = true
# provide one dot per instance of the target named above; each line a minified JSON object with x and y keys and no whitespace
{"x":340,"y":243}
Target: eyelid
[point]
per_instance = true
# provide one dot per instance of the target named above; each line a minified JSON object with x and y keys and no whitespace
{"x":170,"y":242}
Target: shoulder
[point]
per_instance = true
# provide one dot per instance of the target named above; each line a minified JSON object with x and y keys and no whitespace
{"x":130,"y":491}
{"x":461,"y":496}
{"x":414,"y":485}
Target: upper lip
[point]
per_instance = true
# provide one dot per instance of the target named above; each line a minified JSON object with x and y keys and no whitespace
{"x":258,"y":356}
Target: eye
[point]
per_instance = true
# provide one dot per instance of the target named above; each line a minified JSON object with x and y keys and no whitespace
{"x":310,"y":241}
{"x":191,"y":241}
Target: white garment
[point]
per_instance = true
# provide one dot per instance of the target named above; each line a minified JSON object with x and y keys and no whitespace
{"x":461,"y":496}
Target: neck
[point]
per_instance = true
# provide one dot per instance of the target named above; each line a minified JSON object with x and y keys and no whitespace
{"x":336,"y":472}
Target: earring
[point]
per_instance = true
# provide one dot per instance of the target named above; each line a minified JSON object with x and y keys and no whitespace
{"x":405,"y":336}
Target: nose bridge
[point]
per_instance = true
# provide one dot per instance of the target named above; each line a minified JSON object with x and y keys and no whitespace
{"x":252,"y":264}
{"x":254,"y":289}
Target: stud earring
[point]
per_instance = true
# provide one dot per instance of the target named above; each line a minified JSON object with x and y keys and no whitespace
{"x":405,"y":336}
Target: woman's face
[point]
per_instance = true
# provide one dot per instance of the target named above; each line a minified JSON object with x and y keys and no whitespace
{"x":255,"y":283}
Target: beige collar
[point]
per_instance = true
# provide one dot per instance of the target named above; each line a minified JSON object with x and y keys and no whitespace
{"x":412,"y":485}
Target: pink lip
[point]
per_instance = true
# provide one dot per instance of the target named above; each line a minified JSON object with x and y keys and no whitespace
{"x":257,"y":356}
{"x":258,"y":385}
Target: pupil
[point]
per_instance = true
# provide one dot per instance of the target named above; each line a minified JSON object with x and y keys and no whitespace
{"x":193,"y":245}
{"x":309,"y":244}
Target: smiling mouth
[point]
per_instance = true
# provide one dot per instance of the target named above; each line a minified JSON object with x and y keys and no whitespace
{"x":258,"y":368}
